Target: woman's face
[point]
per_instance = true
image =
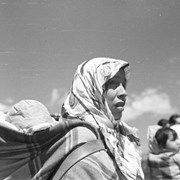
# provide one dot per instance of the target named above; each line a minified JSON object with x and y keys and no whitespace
{"x":115,"y":94}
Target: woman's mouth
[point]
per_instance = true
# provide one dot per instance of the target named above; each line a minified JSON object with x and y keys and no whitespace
{"x":120,"y":104}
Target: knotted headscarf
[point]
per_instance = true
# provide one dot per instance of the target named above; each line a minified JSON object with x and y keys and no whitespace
{"x":87,"y":102}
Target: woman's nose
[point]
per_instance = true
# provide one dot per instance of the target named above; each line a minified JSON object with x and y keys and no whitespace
{"x":122,"y":91}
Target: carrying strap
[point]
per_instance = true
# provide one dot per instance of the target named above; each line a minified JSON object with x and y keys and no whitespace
{"x":77,"y":155}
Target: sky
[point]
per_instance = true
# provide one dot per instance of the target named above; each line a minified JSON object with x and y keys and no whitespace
{"x":43,"y":41}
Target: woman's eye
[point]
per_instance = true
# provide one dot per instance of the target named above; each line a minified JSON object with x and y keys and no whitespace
{"x":112,"y":82}
{"x":116,"y":82}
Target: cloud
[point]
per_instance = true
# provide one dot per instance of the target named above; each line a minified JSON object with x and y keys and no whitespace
{"x":57,"y":97}
{"x":174,"y":59}
{"x":4,"y":107}
{"x":54,"y":96}
{"x":178,"y":83}
{"x":149,"y":101}
{"x":9,"y":100}
{"x":6,"y":104}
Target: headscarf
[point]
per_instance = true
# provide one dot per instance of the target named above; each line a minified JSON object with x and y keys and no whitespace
{"x":152,"y":143}
{"x":87,"y":102}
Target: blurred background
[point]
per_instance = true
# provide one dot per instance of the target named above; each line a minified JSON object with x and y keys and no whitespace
{"x":43,"y":41}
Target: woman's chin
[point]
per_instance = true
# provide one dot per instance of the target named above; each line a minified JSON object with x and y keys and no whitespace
{"x":118,"y":116}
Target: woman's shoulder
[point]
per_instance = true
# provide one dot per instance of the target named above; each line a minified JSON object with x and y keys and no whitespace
{"x":99,"y":165}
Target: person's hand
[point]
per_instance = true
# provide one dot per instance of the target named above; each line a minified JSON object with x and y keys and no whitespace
{"x":159,"y":159}
{"x":163,"y":161}
{"x":164,"y":157}
{"x":132,"y":138}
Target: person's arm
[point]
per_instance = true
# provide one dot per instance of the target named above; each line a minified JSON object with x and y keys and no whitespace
{"x":177,"y":159}
{"x":158,"y":159}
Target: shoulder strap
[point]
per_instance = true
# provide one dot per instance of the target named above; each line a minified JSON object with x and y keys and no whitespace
{"x":77,"y":155}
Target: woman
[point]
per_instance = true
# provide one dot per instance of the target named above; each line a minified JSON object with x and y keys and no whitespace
{"x":98,"y":96}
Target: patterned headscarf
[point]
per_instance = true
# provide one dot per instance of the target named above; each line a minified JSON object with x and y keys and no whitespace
{"x":87,"y":102}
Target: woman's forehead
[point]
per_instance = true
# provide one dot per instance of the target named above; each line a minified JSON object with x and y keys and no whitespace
{"x":120,"y":73}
